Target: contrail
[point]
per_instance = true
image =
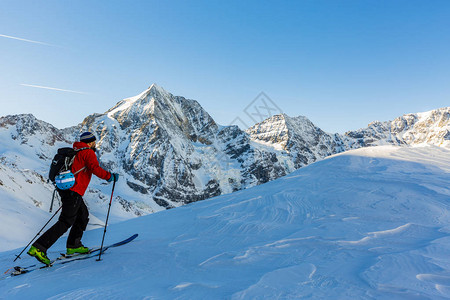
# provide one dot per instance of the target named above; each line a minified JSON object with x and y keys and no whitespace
{"x":25,"y":40}
{"x":52,"y":88}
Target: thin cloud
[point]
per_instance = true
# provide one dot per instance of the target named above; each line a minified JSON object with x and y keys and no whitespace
{"x":52,"y":88}
{"x":25,"y":40}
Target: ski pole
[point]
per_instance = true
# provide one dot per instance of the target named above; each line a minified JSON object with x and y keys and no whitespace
{"x":106,"y":224}
{"x":51,"y":204}
{"x":18,"y":256}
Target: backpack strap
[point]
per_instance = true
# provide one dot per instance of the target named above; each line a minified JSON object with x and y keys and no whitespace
{"x":79,"y":170}
{"x":81,"y":149}
{"x":78,"y":150}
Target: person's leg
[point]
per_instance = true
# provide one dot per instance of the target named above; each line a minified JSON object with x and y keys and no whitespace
{"x":70,"y":206}
{"x":79,"y":226}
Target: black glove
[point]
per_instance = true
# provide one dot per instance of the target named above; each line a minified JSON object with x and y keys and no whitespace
{"x":114,"y":176}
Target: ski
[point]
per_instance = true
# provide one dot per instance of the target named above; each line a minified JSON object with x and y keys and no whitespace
{"x":68,"y":256}
{"x":63,"y":259}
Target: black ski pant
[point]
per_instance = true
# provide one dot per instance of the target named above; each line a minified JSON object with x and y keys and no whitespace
{"x":74,"y":214}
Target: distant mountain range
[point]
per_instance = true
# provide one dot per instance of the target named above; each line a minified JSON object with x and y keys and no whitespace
{"x":304,"y":143}
{"x":171,"y":152}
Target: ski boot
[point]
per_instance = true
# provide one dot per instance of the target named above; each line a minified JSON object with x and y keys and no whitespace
{"x":79,"y":250}
{"x":40,"y":255}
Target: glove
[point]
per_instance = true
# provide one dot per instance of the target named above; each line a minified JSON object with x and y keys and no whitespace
{"x":114,"y":176}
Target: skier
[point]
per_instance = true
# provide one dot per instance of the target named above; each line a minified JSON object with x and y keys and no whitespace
{"x":74,"y":211}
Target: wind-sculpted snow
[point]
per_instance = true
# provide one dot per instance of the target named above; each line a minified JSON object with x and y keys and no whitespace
{"x":371,"y":223}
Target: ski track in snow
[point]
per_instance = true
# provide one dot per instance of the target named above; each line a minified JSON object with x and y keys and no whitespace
{"x":360,"y":225}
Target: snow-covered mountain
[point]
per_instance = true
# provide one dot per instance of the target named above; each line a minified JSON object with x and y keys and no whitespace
{"x":171,"y":152}
{"x":432,"y":127}
{"x":371,"y":223}
{"x":298,"y":138}
{"x":300,"y":141}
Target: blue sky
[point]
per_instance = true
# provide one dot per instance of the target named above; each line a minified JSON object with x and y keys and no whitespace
{"x":342,"y":64}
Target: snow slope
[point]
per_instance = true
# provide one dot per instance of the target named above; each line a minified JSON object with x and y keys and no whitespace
{"x":372,"y":223}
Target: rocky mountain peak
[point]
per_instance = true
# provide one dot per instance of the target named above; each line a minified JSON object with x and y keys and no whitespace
{"x":25,"y":126}
{"x":302,"y":141}
{"x":169,"y":146}
{"x":158,"y":108}
{"x":280,"y":129}
{"x":140,"y":106}
{"x":432,"y":127}
{"x":274,"y":130}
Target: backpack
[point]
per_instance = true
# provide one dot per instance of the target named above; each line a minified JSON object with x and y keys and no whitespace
{"x":60,"y":170}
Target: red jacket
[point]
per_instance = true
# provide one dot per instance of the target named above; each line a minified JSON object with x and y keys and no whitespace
{"x":87,"y":159}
